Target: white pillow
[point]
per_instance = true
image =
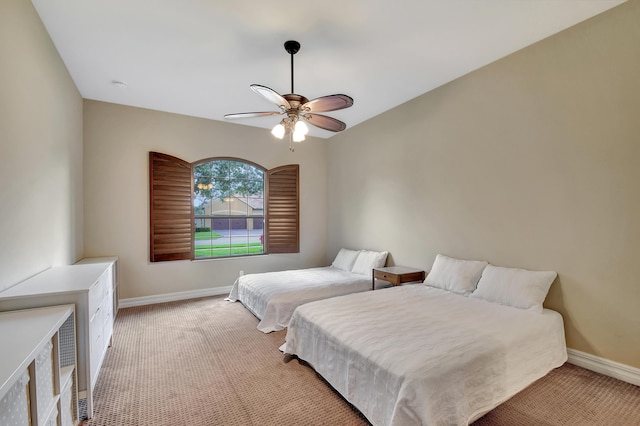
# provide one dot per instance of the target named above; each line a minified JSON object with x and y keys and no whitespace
{"x":519,"y":288}
{"x":367,"y":260}
{"x":345,"y":259}
{"x":455,"y":275}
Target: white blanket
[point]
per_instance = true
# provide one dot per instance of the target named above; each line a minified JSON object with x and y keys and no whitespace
{"x":416,"y":355}
{"x":273,"y":296}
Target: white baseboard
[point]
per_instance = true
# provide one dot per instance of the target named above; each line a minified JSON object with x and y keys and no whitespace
{"x":172,"y":297}
{"x":604,"y":366}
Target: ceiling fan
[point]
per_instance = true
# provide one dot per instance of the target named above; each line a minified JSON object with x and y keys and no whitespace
{"x":298,"y":109}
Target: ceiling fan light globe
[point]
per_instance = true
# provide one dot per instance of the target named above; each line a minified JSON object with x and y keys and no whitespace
{"x":298,"y":137}
{"x":301,"y":128}
{"x":278,"y":131}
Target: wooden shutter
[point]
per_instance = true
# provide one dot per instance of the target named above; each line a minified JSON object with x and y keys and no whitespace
{"x":171,"y":222}
{"x":283,"y":210}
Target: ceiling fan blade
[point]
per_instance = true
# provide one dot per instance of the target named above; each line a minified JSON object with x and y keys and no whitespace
{"x":251,"y":114}
{"x":328,"y":103}
{"x":325,"y":122}
{"x":271,"y":95}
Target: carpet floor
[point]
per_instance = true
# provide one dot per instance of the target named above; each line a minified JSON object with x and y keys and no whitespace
{"x":203,"y":362}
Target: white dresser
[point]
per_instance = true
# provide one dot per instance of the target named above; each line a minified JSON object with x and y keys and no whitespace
{"x":91,"y":285}
{"x":37,"y":367}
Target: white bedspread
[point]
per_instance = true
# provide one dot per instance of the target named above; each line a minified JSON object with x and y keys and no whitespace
{"x":415,"y":355}
{"x":273,"y":296}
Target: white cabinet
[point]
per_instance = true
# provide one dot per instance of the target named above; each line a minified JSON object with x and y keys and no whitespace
{"x":103,"y":307}
{"x":38,"y":368}
{"x":91,"y":285}
{"x":114,"y":288}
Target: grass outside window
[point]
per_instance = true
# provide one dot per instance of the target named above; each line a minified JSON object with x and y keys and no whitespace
{"x":228,"y":250}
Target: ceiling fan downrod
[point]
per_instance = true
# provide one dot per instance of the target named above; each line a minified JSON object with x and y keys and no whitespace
{"x":292,"y":47}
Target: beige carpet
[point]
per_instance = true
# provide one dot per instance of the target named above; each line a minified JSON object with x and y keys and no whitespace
{"x":202,"y":362}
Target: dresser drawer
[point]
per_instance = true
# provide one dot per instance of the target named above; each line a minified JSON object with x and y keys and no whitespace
{"x":108,"y":316}
{"x":107,"y":306}
{"x":96,"y":326}
{"x":96,"y":295}
{"x":96,"y":355}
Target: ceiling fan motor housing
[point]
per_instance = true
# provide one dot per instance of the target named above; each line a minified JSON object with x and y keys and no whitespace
{"x":295,"y":100}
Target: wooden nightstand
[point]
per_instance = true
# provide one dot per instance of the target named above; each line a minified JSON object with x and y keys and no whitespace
{"x":397,"y":275}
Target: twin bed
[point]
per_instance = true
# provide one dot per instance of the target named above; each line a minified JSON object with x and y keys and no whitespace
{"x":273,"y":296}
{"x":442,"y":353}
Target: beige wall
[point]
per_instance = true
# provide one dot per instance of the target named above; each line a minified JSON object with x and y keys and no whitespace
{"x":532,"y":162}
{"x":40,"y":150}
{"x":117,"y":144}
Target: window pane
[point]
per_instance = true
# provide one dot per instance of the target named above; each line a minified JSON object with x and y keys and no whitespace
{"x":204,"y":237}
{"x":220,"y":168}
{"x":256,"y":205}
{"x":256,"y":174}
{"x":222,"y":226}
{"x":221,"y":188}
{"x":256,"y":189}
{"x":202,"y":171}
{"x":236,"y":187}
{"x":229,"y":194}
{"x":251,"y":188}
{"x":256,"y":241}
{"x":239,"y":226}
{"x":220,"y":207}
{"x":238,"y":170}
{"x":241,"y":207}
{"x":198,"y":206}
{"x":255,"y":225}
{"x":239,"y":238}
{"x":202,"y":187}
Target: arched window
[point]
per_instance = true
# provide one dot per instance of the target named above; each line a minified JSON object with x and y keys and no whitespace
{"x":228,"y":207}
{"x":220,"y":207}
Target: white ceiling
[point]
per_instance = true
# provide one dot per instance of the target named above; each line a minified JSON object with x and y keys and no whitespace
{"x":198,"y":57}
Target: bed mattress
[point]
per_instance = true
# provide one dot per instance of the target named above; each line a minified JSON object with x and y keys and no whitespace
{"x":416,"y":355}
{"x":273,"y":296}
